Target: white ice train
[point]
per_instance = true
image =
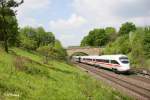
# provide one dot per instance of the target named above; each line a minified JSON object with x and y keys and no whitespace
{"x":118,"y":63}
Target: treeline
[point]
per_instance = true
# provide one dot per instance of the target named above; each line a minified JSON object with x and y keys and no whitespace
{"x":31,"y":39}
{"x":37,"y":39}
{"x":130,"y":40}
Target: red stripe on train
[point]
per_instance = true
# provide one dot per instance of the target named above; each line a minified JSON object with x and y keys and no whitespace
{"x":117,"y":65}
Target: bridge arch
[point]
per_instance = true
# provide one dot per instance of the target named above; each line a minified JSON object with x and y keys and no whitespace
{"x":84,"y":50}
{"x":78,"y":54}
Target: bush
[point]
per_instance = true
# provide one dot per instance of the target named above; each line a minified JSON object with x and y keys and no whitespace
{"x":56,"y":52}
{"x":120,"y":46}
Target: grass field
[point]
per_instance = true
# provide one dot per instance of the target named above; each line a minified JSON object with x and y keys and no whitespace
{"x":23,"y":76}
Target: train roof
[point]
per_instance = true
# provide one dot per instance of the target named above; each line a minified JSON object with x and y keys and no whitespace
{"x":105,"y":56}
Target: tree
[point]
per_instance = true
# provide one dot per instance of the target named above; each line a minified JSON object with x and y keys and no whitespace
{"x":47,"y":52}
{"x":40,"y":32}
{"x":96,"y":37}
{"x":120,"y":46}
{"x":27,"y":38}
{"x":48,"y":38}
{"x":33,"y":38}
{"x":8,"y":22}
{"x":126,"y":28}
{"x":53,"y":51}
{"x":61,"y":52}
{"x":111,"y":32}
{"x":85,"y":42}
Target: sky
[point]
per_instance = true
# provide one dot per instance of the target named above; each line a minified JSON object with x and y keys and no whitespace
{"x":71,"y":20}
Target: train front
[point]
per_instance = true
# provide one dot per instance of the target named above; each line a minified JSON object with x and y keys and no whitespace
{"x":124,"y":64}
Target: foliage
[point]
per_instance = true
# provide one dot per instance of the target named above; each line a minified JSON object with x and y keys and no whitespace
{"x":96,"y":37}
{"x":32,"y":38}
{"x":53,"y":52}
{"x":126,"y":28}
{"x":120,"y":46}
{"x":61,"y":52}
{"x":110,"y":30}
{"x":47,"y":52}
{"x":44,"y":38}
{"x":111,"y":33}
{"x":137,"y":53}
{"x":8,"y":22}
{"x":147,"y":42}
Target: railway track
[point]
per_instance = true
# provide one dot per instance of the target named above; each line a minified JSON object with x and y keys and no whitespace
{"x":140,"y":88}
{"x":141,"y":78}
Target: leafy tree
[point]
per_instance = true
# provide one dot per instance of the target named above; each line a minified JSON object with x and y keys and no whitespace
{"x":47,"y":52}
{"x":40,"y":33}
{"x":27,"y":38}
{"x":110,"y":30}
{"x":112,"y":33}
{"x":120,"y":46}
{"x":137,"y":52}
{"x":53,"y":51}
{"x":61,"y":52}
{"x":8,"y":22}
{"x":96,"y":37}
{"x":33,"y":38}
{"x":126,"y":28}
{"x":48,"y":38}
{"x":85,"y":41}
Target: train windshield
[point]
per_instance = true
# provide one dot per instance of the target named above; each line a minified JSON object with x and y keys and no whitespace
{"x":124,"y":60}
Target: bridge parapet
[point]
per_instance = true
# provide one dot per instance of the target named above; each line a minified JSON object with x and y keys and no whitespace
{"x":87,"y":50}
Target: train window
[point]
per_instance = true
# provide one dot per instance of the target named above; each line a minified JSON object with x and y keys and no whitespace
{"x":99,"y":60}
{"x":106,"y":61}
{"x":114,"y":62}
{"x":89,"y":59}
{"x":102,"y":60}
{"x":123,"y":58}
{"x":125,"y":62}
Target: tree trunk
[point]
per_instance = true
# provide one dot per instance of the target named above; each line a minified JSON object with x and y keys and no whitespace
{"x":5,"y":32}
{"x":6,"y":45}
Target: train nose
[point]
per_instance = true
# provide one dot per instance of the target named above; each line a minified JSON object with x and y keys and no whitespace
{"x":125,"y":67}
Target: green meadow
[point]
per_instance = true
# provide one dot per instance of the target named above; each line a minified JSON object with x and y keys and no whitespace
{"x":23,"y":76}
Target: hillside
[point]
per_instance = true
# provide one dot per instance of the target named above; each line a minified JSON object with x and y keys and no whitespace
{"x":23,"y":76}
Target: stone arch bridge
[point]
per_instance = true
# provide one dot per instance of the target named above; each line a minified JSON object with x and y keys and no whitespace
{"x":85,"y":50}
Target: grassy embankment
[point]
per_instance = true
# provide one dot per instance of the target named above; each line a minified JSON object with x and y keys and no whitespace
{"x":23,"y":76}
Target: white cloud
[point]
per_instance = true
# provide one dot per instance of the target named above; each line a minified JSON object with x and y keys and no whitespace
{"x":141,"y":21}
{"x":34,"y":4}
{"x":30,"y":22}
{"x":27,"y":9}
{"x":72,"y":23}
{"x":102,"y":13}
{"x":68,"y":30}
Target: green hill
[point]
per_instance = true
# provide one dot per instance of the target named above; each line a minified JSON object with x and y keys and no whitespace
{"x":23,"y":76}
